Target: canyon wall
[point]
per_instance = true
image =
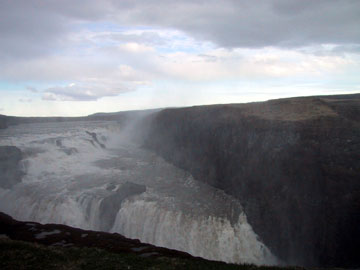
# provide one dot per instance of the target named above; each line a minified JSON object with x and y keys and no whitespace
{"x":293,"y":163}
{"x":3,"y":121}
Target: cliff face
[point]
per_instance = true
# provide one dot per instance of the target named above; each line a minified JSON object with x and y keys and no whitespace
{"x":3,"y":122}
{"x":294,"y":164}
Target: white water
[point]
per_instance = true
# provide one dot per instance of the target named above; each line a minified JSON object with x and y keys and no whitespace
{"x":68,"y":177}
{"x":205,"y":236}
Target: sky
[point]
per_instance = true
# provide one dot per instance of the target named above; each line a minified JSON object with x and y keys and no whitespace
{"x":78,"y":57}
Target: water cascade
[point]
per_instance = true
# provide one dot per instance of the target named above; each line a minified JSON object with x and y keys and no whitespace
{"x":113,"y":185}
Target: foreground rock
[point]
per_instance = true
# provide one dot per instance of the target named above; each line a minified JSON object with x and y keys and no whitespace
{"x":66,"y":236}
{"x":293,"y":163}
{"x":64,"y":247}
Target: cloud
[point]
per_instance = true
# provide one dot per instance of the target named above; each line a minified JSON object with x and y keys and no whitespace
{"x":131,"y":65}
{"x":34,"y":28}
{"x":32,"y":89}
{"x":31,"y":28}
{"x":254,"y":23}
{"x":151,"y":37}
{"x":134,"y":47}
{"x":28,"y":31}
{"x":26,"y":100}
{"x":83,"y":92}
{"x":255,"y":64}
{"x":85,"y":50}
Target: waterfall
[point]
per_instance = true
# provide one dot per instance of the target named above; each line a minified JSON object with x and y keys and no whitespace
{"x":205,"y":236}
{"x":108,"y":184}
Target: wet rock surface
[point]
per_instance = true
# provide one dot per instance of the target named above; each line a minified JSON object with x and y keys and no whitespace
{"x":95,"y":140}
{"x":293,"y":163}
{"x":110,"y":205}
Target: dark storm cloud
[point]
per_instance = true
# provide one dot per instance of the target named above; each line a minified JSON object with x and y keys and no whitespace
{"x":255,"y":23}
{"x":26,"y":30}
{"x":33,"y":27}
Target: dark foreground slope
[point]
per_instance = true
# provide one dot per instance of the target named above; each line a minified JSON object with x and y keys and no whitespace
{"x":293,"y":163}
{"x":30,"y":245}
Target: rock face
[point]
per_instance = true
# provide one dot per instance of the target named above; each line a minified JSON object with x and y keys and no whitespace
{"x":112,"y":204}
{"x":10,"y":173}
{"x":3,"y":122}
{"x":294,"y":164}
{"x":66,"y":236}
